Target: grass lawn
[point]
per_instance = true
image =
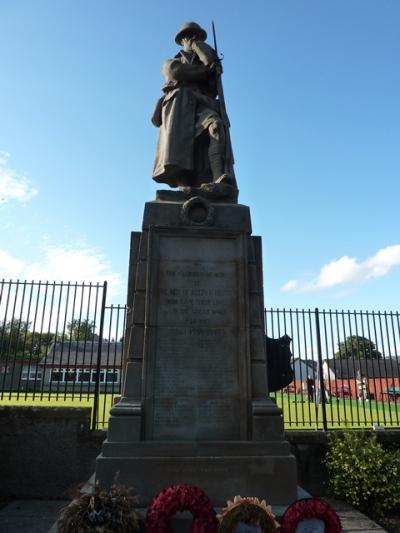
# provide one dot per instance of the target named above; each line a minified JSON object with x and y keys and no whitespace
{"x":340,"y":413}
{"x":297,"y":411}
{"x":62,"y":400}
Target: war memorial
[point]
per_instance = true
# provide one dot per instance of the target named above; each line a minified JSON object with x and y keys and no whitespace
{"x":195,"y":406}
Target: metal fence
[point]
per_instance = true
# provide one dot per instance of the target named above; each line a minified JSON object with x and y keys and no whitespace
{"x":61,"y":344}
{"x":346,"y":368}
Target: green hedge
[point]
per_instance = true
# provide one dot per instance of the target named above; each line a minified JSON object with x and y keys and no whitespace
{"x":362,"y":473}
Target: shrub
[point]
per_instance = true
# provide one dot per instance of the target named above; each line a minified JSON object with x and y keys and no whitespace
{"x":362,"y":473}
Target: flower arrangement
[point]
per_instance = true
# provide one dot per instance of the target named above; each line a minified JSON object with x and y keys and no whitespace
{"x":178,"y":498}
{"x":310,"y":508}
{"x":103,"y":511}
{"x":247,"y":511}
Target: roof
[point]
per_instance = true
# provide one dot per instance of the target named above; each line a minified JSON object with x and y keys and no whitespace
{"x":83,"y":353}
{"x":310,"y":363}
{"x":387,"y":367}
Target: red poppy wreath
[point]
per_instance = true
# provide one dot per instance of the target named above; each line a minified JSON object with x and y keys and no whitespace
{"x":179,"y":498}
{"x":307,"y":509}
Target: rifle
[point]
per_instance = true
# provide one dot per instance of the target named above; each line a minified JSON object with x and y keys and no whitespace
{"x":229,"y":161}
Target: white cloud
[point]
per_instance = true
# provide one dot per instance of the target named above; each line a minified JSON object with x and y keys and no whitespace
{"x":54,"y":309}
{"x":10,"y":267}
{"x":348,"y":270}
{"x":62,"y":263}
{"x":13,"y":186}
{"x":290,"y":286}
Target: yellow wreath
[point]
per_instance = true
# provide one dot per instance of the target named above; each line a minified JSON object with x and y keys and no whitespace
{"x":250,"y":511}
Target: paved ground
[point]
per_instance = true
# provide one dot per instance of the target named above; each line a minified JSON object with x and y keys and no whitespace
{"x":353,"y":520}
{"x":39,"y":516}
{"x":29,"y":516}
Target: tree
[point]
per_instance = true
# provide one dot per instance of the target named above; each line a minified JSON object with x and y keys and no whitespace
{"x":17,"y":341}
{"x":82,"y":330}
{"x":13,"y":337}
{"x":39,"y":343}
{"x":357,"y":347}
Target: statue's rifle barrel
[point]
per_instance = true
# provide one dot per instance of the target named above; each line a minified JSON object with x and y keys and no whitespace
{"x":222,"y":107}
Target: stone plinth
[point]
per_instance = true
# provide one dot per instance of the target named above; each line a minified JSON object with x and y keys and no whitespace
{"x":194,"y":407}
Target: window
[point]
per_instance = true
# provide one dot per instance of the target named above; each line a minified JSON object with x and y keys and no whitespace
{"x":57,"y":375}
{"x":84,"y":375}
{"x":34,"y":374}
{"x":112,"y":376}
{"x":79,"y":375}
{"x":70,"y":375}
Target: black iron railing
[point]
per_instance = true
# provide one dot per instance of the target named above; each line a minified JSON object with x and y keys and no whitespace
{"x":61,"y":342}
{"x":346,"y":368}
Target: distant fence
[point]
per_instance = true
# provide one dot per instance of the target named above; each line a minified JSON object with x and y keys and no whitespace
{"x":61,"y":342}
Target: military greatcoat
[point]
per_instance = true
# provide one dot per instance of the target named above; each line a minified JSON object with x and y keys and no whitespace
{"x":187,"y":108}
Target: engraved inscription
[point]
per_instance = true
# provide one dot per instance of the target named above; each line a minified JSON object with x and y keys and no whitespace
{"x":196,"y":392}
{"x":195,"y":360}
{"x":196,"y":294}
{"x":194,"y":468}
{"x":195,"y":418}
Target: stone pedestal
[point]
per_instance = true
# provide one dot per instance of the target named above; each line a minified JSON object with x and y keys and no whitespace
{"x":194,"y":407}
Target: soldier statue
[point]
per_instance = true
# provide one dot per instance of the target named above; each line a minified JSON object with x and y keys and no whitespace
{"x":193,"y":147}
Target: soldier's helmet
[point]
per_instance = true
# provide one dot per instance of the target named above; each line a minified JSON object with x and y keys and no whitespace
{"x":190,"y":27}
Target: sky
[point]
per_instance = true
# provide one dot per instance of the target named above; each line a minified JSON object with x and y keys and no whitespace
{"x":312,"y":92}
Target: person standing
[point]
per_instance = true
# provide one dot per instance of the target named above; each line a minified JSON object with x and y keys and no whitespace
{"x":310,"y":389}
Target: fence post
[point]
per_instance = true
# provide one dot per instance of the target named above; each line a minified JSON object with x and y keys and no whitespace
{"x":320,"y":371}
{"x":98,"y":364}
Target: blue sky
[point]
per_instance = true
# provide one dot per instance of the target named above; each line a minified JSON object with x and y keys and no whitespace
{"x":312,"y":91}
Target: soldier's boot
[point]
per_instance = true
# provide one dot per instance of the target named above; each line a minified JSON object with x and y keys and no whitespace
{"x":216,"y":154}
{"x":216,"y":157}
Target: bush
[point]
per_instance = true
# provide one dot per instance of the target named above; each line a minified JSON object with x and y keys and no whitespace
{"x":362,"y":473}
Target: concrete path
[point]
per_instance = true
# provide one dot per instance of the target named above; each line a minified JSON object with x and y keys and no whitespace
{"x":352,"y":520}
{"x":39,"y":516}
{"x":30,"y":516}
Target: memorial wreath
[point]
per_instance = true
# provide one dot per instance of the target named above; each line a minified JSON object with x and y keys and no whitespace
{"x":182,"y":497}
{"x":102,"y":510}
{"x":310,"y":508}
{"x":249,"y":511}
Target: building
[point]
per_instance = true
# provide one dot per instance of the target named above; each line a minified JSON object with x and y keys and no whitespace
{"x":381,"y":376}
{"x":303,"y":369}
{"x":20,"y":375}
{"x":74,"y":365}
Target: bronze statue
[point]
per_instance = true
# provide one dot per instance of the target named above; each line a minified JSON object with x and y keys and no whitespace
{"x":194,"y":145}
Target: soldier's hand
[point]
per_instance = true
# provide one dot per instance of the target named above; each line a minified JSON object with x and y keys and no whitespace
{"x":216,"y":67}
{"x":187,"y":42}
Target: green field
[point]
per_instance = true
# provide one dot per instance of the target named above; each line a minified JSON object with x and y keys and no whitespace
{"x":340,"y":413}
{"x":63,"y":400}
{"x":297,"y":412}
